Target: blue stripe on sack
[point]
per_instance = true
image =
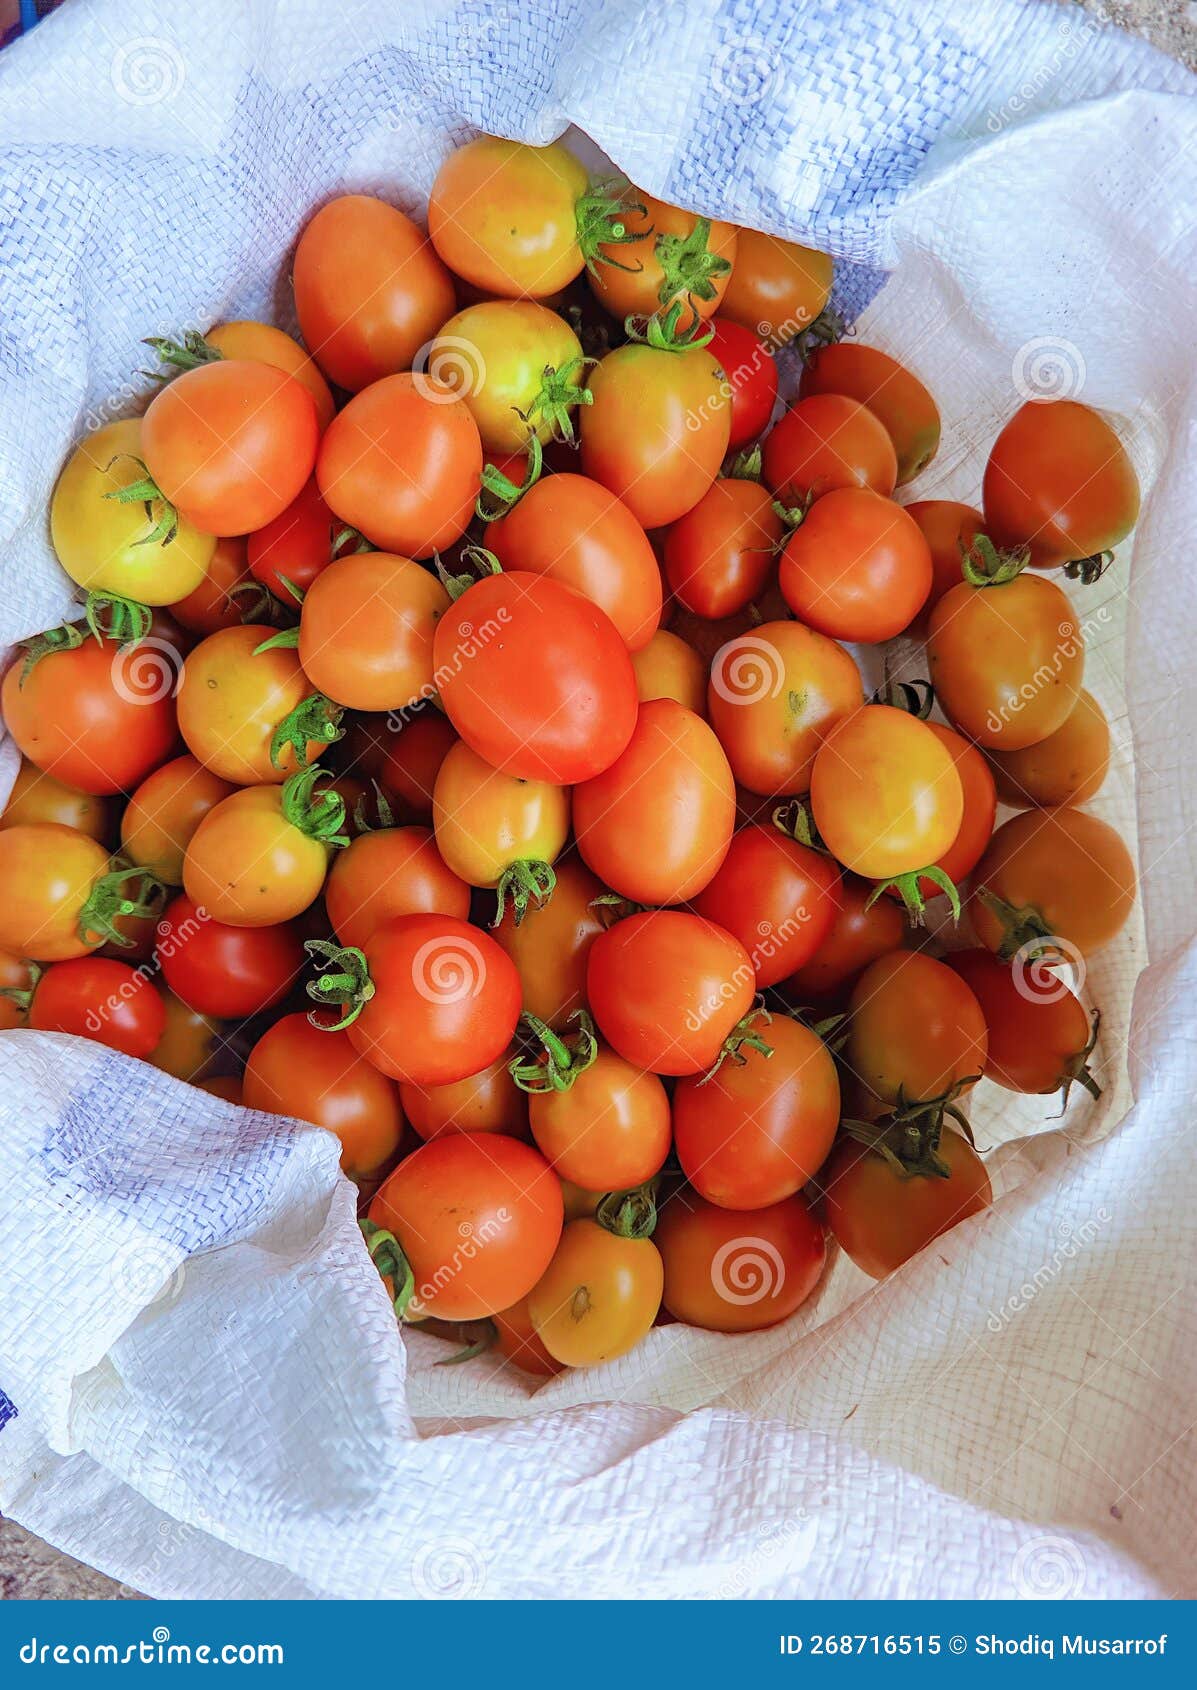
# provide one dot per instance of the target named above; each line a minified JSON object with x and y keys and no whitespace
{"x":8,"y":1410}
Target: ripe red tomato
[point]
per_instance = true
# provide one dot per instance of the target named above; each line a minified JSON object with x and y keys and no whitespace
{"x":774,"y":695}
{"x":390,"y":872}
{"x":535,"y":678}
{"x":478,"y":1217}
{"x":165,"y":811}
{"x":230,"y":443}
{"x":411,"y":759}
{"x":366,"y":630}
{"x":720,"y":554}
{"x":61,"y":898}
{"x":402,"y":463}
{"x":777,"y":897}
{"x":759,"y":1128}
{"x":1050,"y":875}
{"x":233,"y":698}
{"x":486,"y":1102}
{"x":896,"y":397}
{"x":296,"y":546}
{"x":828,"y":442}
{"x":666,"y":989}
{"x":1068,"y":767}
{"x":609,"y":1131}
{"x":669,"y":668}
{"x":98,"y":716}
{"x":857,"y":568}
{"x":226,"y":971}
{"x":577,"y":531}
{"x":96,"y":998}
{"x":1040,"y":1037}
{"x":217,"y":601}
{"x":517,"y":1341}
{"x":915,"y":1030}
{"x":657,"y":823}
{"x":777,"y":288}
{"x":1059,"y":481}
{"x":859,"y":933}
{"x":751,"y":373}
{"x":881,"y":1218}
{"x":295,"y":1069}
{"x":599,"y":1295}
{"x":370,"y":292}
{"x":666,"y":255}
{"x":731,"y":1271}
{"x":949,"y":529}
{"x":551,"y":946}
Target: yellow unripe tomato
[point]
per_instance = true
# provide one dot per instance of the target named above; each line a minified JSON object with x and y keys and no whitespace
{"x":493,"y":829}
{"x":599,"y":1295}
{"x":506,"y":357}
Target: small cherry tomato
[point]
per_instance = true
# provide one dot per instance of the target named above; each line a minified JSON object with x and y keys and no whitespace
{"x":234,"y":699}
{"x":226,"y":971}
{"x":751,"y":372}
{"x":38,"y":797}
{"x":666,"y":255}
{"x":1052,"y":875}
{"x":486,"y":1102}
{"x":949,"y":529}
{"x":389,"y":872}
{"x":669,"y":668}
{"x":896,"y":397}
{"x":1068,"y":767}
{"x":61,"y":895}
{"x":857,"y":568}
{"x":859,"y":933}
{"x":777,"y":288}
{"x":776,"y":896}
{"x":598,"y":1297}
{"x":494,"y":830}
{"x":551,"y":946}
{"x":1040,"y":1037}
{"x":516,"y":364}
{"x":99,"y":999}
{"x":828,"y":442}
{"x":720,"y":554}
{"x":915,"y":1030}
{"x":727,"y":1270}
{"x":165,"y":811}
{"x":259,"y":857}
{"x":366,"y":631}
{"x":609,"y":1130}
{"x":881,"y":1218}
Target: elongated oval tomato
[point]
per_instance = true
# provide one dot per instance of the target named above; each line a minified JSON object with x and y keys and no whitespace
{"x":760,"y":1128}
{"x":857,"y":568}
{"x":296,"y":1069}
{"x":827,"y":442}
{"x":366,"y":630}
{"x":296,"y":546}
{"x":896,"y":397}
{"x":164,"y":812}
{"x":609,"y":1131}
{"x":516,"y":364}
{"x":402,"y":463}
{"x":976,"y":822}
{"x":230,"y":443}
{"x":97,"y":998}
{"x":394,"y":871}
{"x":486,"y":1102}
{"x":656,"y":824}
{"x":881,"y":1218}
{"x":577,"y":531}
{"x":263,"y":344}
{"x":1039,"y":1033}
{"x":669,"y":668}
{"x":38,"y":797}
{"x":860,"y":932}
{"x":1068,"y":767}
{"x":915,"y":1030}
{"x":720,"y":554}
{"x":777,"y":287}
{"x":222,"y":970}
{"x":731,"y":1271}
{"x":1052,"y":874}
{"x":598,"y":1297}
{"x":478,"y":1216}
{"x":776,"y":896}
{"x":535,"y":678}
{"x":232,"y":699}
{"x":666,"y":989}
{"x":550,"y":947}
{"x":369,"y":290}
{"x":751,"y":372}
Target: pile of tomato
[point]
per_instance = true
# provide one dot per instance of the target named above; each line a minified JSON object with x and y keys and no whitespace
{"x":460,"y":749}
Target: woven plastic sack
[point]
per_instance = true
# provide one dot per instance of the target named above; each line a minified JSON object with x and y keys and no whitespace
{"x":202,"y":1387}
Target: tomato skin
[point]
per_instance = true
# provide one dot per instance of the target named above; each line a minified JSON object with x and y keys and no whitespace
{"x":1068,"y":767}
{"x":102,"y":543}
{"x":16,"y":973}
{"x":881,"y":1220}
{"x":551,"y":946}
{"x":632,"y":284}
{"x":296,"y":1069}
{"x":98,"y":717}
{"x":1068,"y":867}
{"x":577,"y":531}
{"x":598,"y":1297}
{"x":189,"y":1041}
{"x":896,"y":397}
{"x":502,"y":216}
{"x":412,"y":758}
{"x":479,"y":1217}
{"x":47,"y":872}
{"x":666,"y":988}
{"x":774,"y":696}
{"x":827,"y":442}
{"x":669,"y":668}
{"x":535,"y":678}
{"x":391,"y":872}
{"x":610,"y":1131}
{"x":369,"y":290}
{"x":857,"y":568}
{"x":751,"y":373}
{"x":656,"y":824}
{"x":297,"y":545}
{"x":226,"y":971}
{"x":915,"y":1029}
{"x":248,"y":865}
{"x":263,"y":344}
{"x":226,"y":1086}
{"x":777,"y":288}
{"x":517,"y":1341}
{"x":720,"y":554}
{"x":215,"y":603}
{"x":495,"y":356}
{"x":485,"y":821}
{"x":446,"y":1000}
{"x":486,"y":1102}
{"x":658,"y":429}
{"x":776,"y":896}
{"x":99,"y":999}
{"x":366,"y":630}
{"x":885,"y":793}
{"x":731,"y":1271}
{"x":231,"y":699}
{"x":976,"y":823}
{"x":38,"y":797}
{"x":230,"y":443}
{"x":1059,"y":480}
{"x":949,"y":529}
{"x":1006,"y":661}
{"x":164,"y":812}
{"x":402,"y":463}
{"x":856,"y":937}
{"x":757,"y":1131}
{"x":1039,"y":1033}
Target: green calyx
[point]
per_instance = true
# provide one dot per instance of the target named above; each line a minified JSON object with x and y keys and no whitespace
{"x":795,"y":820}
{"x":481,"y":1335}
{"x":190,"y":350}
{"x":500,"y":494}
{"x":559,"y":394}
{"x":915,"y":697}
{"x":1076,"y":1070}
{"x":382,"y":806}
{"x":259,"y":605}
{"x":1023,"y":930}
{"x":386,"y":1253}
{"x":825,"y":330}
{"x":345,"y":540}
{"x":523,"y":882}
{"x":747,"y":465}
{"x":743,"y":1037}
{"x":629,"y":1214}
{"x":661,"y":331}
{"x":344,"y":983}
{"x":910,"y":889}
{"x":601,"y":215}
{"x":318,"y":815}
{"x":315,"y":718}
{"x":111,"y":896}
{"x":610,"y":908}
{"x":908,"y":1136}
{"x":287,"y":639}
{"x":146,"y":491}
{"x":110,"y":616}
{"x":561,"y":1058}
{"x":22,"y":996}
{"x":66,"y":638}
{"x":1087,"y":570}
{"x":983,"y":565}
{"x":481,"y":562}
{"x":688,"y":266}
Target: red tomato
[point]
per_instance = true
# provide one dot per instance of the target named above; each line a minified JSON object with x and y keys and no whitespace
{"x":730,"y":1271}
{"x":578,"y":532}
{"x":263,"y":344}
{"x":402,"y":463}
{"x":609,"y":1131}
{"x":657,"y":823}
{"x":949,"y":529}
{"x":296,"y":546}
{"x":370,"y":292}
{"x":666,"y":989}
{"x":858,"y":935}
{"x":915,"y":1030}
{"x":230,"y":444}
{"x":98,"y":716}
{"x":720,"y":554}
{"x":389,"y":872}
{"x":1039,"y":1034}
{"x":551,"y":946}
{"x":412,"y":758}
{"x":751,"y":375}
{"x":486,"y":1102}
{"x":216,"y":602}
{"x":517,"y":1341}
{"x":882,"y":1218}
{"x":858,"y":568}
{"x":777,"y":897}
{"x":95,"y":998}
{"x":828,"y":442}
{"x":777,"y":288}
{"x":365,"y":633}
{"x":296,"y":1069}
{"x":226,"y":971}
{"x":896,"y":398}
{"x":535,"y":678}
{"x":478,"y":1217}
